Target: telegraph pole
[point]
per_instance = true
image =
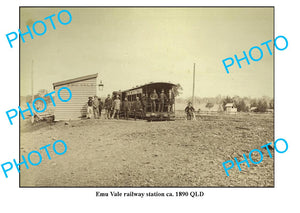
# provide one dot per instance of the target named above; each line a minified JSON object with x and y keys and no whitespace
{"x":32,"y":82}
{"x":193,"y":97}
{"x":32,"y":98}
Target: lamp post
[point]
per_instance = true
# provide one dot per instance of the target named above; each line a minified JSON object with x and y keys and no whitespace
{"x":100,"y":85}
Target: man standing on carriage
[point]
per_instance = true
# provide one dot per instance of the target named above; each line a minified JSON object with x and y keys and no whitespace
{"x":137,"y":107}
{"x":171,"y":101}
{"x":144,"y":101}
{"x":162,"y":99}
{"x":153,"y":98}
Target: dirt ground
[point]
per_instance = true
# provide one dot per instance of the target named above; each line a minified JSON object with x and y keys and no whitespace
{"x":104,"y":153}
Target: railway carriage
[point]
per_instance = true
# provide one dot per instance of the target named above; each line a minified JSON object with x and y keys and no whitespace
{"x":166,"y":113}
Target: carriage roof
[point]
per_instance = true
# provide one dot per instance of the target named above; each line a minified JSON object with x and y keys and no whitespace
{"x":151,"y":84}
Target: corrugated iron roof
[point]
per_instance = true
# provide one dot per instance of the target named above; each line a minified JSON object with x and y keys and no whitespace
{"x":86,"y":77}
{"x":148,"y":84}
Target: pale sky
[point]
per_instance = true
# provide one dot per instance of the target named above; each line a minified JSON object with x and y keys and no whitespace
{"x":133,"y":46}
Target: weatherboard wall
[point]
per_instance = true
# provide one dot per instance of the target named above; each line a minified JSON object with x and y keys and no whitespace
{"x":76,"y":108}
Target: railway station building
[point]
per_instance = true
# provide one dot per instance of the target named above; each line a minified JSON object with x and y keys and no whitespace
{"x":81,"y":88}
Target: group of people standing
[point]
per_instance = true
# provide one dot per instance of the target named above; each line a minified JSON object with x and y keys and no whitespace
{"x":94,"y":106}
{"x":161,"y":100}
{"x":113,"y":105}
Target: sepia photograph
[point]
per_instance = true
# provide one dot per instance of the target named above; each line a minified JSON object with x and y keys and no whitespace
{"x":146,"y":96}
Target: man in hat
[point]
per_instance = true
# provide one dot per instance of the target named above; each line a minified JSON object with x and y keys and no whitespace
{"x":125,"y":107}
{"x":89,"y":108}
{"x":137,"y":107}
{"x":108,"y":106}
{"x":171,"y":101}
{"x":162,"y":99}
{"x":189,"y":111}
{"x":116,"y":107}
{"x":144,"y":101}
{"x":153,"y":98}
{"x":100,"y":106}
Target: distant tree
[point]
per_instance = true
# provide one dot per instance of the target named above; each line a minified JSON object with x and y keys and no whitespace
{"x":247,"y":109}
{"x":236,"y":98}
{"x":253,"y":103}
{"x":266,"y":98}
{"x":209,"y":105}
{"x":271,"y":104}
{"x":177,"y":89}
{"x":241,"y":106}
{"x":218,"y":99}
{"x":28,"y":98}
{"x":262,"y":106}
{"x":42,"y":92}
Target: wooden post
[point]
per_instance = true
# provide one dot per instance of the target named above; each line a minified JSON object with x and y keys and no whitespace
{"x":32,"y":117}
{"x":193,"y":97}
